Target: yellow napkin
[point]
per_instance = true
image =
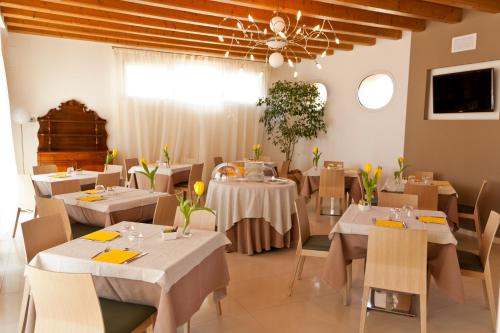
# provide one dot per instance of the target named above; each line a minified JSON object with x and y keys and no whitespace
{"x":91,"y":198}
{"x":432,"y":219}
{"x":440,"y":183}
{"x":59,"y":175}
{"x":102,"y":236}
{"x":116,"y":256}
{"x":389,"y":224}
{"x":91,"y":191}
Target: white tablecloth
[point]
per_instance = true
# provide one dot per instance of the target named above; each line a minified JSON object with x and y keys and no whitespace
{"x":355,"y":221}
{"x":42,"y":181}
{"x":165,"y":263}
{"x":120,"y":198}
{"x":315,"y":172}
{"x":237,"y":200}
{"x":391,"y":186}
{"x":174,"y":168}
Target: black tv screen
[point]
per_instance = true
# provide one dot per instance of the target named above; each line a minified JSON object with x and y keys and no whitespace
{"x":470,"y":91}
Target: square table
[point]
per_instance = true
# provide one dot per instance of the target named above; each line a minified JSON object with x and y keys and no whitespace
{"x":42,"y":182}
{"x":175,"y":276}
{"x":350,"y":240}
{"x":175,"y":173}
{"x":118,"y":204}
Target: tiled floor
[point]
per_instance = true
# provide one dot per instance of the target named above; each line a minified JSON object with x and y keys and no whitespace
{"x":258,"y":301}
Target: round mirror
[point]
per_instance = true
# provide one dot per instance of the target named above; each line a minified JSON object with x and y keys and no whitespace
{"x":322,"y":92}
{"x":376,"y":91}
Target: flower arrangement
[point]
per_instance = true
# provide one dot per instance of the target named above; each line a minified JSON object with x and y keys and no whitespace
{"x":257,"y":151}
{"x":399,"y":173}
{"x":110,"y":156}
{"x":186,"y":207}
{"x":148,"y":173}
{"x":167,"y":156}
{"x":370,"y":181}
{"x":316,"y":156}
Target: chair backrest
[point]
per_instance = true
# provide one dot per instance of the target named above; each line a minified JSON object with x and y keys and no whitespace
{"x":166,"y":206}
{"x":161,"y":182}
{"x":302,"y":220}
{"x":195,"y":174}
{"x":25,"y":192}
{"x":488,"y":236}
{"x":108,"y":179}
{"x":284,"y":169}
{"x":129,"y":163}
{"x":397,"y":260}
{"x":420,"y":174}
{"x":480,"y":195}
{"x":331,"y":183}
{"x":218,"y":160}
{"x":65,"y":186}
{"x":59,"y":298}
{"x":51,"y":206}
{"x":42,"y":169}
{"x":112,"y":168}
{"x":334,"y":164}
{"x":427,"y":195}
{"x":43,"y":233}
{"x":397,"y":200}
{"x":265,"y":158}
{"x":269,"y":171}
{"x":200,"y":219}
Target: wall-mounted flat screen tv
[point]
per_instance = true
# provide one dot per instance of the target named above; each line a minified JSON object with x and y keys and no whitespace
{"x":471,"y":91}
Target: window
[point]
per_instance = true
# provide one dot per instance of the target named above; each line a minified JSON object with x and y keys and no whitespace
{"x":194,"y":84}
{"x":376,"y":91}
{"x":322,"y":92}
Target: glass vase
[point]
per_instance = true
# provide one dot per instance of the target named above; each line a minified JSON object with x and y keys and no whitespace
{"x":151,"y":185}
{"x":186,"y":230}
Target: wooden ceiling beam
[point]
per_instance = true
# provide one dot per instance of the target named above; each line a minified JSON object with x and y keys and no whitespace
{"x":118,"y":27}
{"x":245,"y":7}
{"x":491,"y":6}
{"x":409,"y":8}
{"x":169,"y":23}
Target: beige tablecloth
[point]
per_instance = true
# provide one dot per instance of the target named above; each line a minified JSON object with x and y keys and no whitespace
{"x":166,"y":178}
{"x":311,"y":184}
{"x":122,"y":204}
{"x":42,"y":182}
{"x":175,"y":276}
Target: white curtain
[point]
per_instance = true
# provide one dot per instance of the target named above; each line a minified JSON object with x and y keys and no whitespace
{"x":200,"y":106}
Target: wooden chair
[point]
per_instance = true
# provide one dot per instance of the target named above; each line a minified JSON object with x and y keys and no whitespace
{"x":129,"y":163}
{"x":58,"y":299}
{"x":334,"y":164}
{"x":470,"y":213}
{"x":165,"y":210}
{"x":479,"y":266}
{"x":50,"y":206}
{"x":200,"y":219}
{"x":308,"y":245}
{"x":265,"y":158}
{"x":43,"y":169}
{"x":25,"y":199}
{"x":65,"y":186}
{"x":113,"y":168}
{"x":331,"y":186}
{"x":108,"y":179}
{"x":161,"y":182}
{"x":427,"y":195}
{"x":397,"y":261}
{"x":397,"y":200}
{"x":218,"y":160}
{"x":194,"y":176}
{"x":284,"y":169}
{"x":419,"y":175}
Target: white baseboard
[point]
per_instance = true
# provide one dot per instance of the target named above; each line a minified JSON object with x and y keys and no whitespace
{"x":473,"y":234}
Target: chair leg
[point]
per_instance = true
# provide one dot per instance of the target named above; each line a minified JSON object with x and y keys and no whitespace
{"x":187,"y":327}
{"x":24,"y":306}
{"x":17,"y":221}
{"x":35,"y":212}
{"x":218,"y":306}
{"x":294,"y":276}
{"x":347,"y":290}
{"x":364,"y":302}
{"x":423,"y":312}
{"x":301,"y":267}
{"x":490,"y":294}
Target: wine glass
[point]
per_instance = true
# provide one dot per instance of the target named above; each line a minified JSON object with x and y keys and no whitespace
{"x":70,"y":171}
{"x":100,"y":188}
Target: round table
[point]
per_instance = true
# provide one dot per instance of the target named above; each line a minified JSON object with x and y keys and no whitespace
{"x":254,"y":215}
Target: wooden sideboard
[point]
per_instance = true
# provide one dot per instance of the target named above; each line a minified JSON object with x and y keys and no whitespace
{"x":72,"y":135}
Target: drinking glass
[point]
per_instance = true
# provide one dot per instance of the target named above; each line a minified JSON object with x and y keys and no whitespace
{"x":427,"y":180}
{"x":407,"y":211}
{"x":411,"y":179}
{"x":395,"y":214}
{"x":70,"y":171}
{"x":100,"y":188}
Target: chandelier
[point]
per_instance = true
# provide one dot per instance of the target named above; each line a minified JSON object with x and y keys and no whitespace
{"x":283,"y":41}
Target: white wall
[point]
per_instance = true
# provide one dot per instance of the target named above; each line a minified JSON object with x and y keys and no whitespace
{"x":355,"y":135}
{"x":42,"y":72}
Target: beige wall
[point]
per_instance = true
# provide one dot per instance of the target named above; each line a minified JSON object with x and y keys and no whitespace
{"x":462,"y":151}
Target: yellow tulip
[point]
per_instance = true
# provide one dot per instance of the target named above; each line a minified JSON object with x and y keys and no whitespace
{"x":401,"y":160}
{"x":258,"y":146}
{"x":144,"y":163}
{"x":115,"y":152}
{"x":368,"y":167}
{"x":165,"y":147}
{"x":315,"y":150}
{"x":254,"y":147}
{"x":378,"y":172}
{"x":199,"y":188}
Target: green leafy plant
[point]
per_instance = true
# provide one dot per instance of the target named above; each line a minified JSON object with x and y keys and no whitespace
{"x":402,"y":167}
{"x":292,"y":111}
{"x":148,"y":173}
{"x":166,"y":154}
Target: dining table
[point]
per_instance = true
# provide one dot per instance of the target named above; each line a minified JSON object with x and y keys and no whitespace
{"x":311,"y":177}
{"x":350,"y":240}
{"x":174,"y":174}
{"x":42,"y":182}
{"x":447,"y":196}
{"x":114,"y":205}
{"x":255,"y":215}
{"x":175,"y":276}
